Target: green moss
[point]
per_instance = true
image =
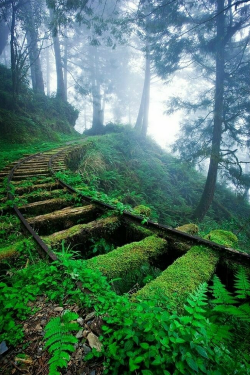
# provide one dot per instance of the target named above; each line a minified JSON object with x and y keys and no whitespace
{"x":128,"y":257}
{"x":189,"y":228}
{"x":186,"y":273}
{"x":142,"y":210}
{"x":222,"y":237}
{"x":106,"y":225}
{"x":11,"y":250}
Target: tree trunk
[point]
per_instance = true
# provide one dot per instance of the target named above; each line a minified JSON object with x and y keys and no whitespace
{"x":48,"y":69}
{"x":142,"y":119}
{"x":60,"y":93}
{"x":13,"y":55}
{"x":146,"y":95}
{"x":209,"y":189}
{"x":65,"y":64}
{"x":97,"y":122}
{"x":35,"y":64}
{"x":4,"y":32}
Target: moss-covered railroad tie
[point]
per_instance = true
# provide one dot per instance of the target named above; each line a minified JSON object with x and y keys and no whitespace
{"x":39,"y":207}
{"x":64,"y":218}
{"x":187,"y":272}
{"x":128,"y":257}
{"x":82,"y":232}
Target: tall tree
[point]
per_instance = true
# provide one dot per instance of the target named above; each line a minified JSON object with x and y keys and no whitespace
{"x":29,"y":10}
{"x":4,"y":32}
{"x":142,"y":118}
{"x":60,"y":92}
{"x":98,"y":110}
{"x":217,"y":50}
{"x":209,"y":189}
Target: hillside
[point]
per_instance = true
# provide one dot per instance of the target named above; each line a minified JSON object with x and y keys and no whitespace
{"x":33,"y":118}
{"x":137,"y":171}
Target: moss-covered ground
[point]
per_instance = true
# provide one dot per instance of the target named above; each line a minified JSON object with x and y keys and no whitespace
{"x":138,"y":172}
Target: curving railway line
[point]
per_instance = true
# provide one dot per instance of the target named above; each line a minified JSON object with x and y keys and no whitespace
{"x":56,"y":213}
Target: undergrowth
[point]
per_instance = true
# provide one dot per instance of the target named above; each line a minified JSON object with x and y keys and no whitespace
{"x":60,"y":340}
{"x":32,"y":117}
{"x":123,"y":167}
{"x":138,"y":338}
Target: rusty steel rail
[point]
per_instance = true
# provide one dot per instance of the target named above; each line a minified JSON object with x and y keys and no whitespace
{"x":43,"y":248}
{"x":173,"y":234}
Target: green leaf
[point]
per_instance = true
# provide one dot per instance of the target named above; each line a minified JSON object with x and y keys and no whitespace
{"x":201,"y":351}
{"x":138,"y":359}
{"x":192,"y":364}
{"x":157,"y":361}
{"x":132,"y":365}
{"x":144,"y":345}
{"x":147,"y":372}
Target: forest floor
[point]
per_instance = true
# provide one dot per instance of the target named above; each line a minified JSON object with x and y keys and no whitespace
{"x":31,"y":357}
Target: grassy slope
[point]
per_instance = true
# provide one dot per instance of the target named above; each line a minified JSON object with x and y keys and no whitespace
{"x":138,"y":171}
{"x":33,"y":118}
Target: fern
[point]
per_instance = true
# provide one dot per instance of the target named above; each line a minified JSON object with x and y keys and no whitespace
{"x":59,"y":340}
{"x":196,"y":303}
{"x":226,"y":303}
{"x":242,"y":284}
{"x":220,"y":294}
{"x":219,"y":333}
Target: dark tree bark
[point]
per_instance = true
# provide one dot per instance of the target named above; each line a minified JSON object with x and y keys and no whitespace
{"x":13,"y":57}
{"x":209,"y":189}
{"x":142,"y":119}
{"x":60,"y":93}
{"x":65,"y":64}
{"x":34,"y":52}
{"x":97,"y":122}
{"x":4,"y":32}
{"x":48,"y":69}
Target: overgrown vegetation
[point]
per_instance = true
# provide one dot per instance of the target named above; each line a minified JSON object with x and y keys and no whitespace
{"x":140,"y":335}
{"x":126,"y":171}
{"x":60,"y":340}
{"x":35,"y":117}
{"x":138,"y":338}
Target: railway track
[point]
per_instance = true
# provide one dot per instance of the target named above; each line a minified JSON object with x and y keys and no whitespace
{"x":54,"y":213}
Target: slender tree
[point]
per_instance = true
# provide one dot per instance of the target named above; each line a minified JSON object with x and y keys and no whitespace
{"x":60,"y":93}
{"x":209,"y":189}
{"x":142,"y":118}
{"x":98,"y":111}
{"x":4,"y":32}
{"x":32,"y":41}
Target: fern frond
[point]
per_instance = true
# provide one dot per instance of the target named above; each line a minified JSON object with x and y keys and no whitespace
{"x":65,"y":346}
{"x":244,"y":312}
{"x":53,"y":370}
{"x":219,"y":333}
{"x":220,"y":293}
{"x":242,"y":284}
{"x":52,"y":327}
{"x":60,"y":341}
{"x":69,"y":316}
{"x":60,"y":356}
{"x":197,"y":300}
{"x":57,"y":362}
{"x":61,"y":338}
